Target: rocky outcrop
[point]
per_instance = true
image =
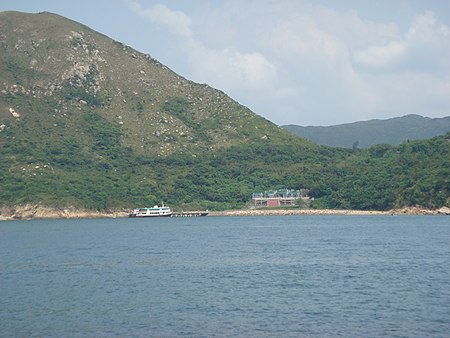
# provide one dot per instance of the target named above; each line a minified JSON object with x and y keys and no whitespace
{"x":39,"y":212}
{"x":443,"y":211}
{"x":417,"y":210}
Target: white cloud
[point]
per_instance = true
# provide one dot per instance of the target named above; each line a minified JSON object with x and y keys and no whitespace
{"x":352,"y":69}
{"x":227,"y":68}
{"x":298,"y":62}
{"x":176,"y":21}
{"x":421,"y":93}
{"x":299,"y":38}
{"x":426,"y":29}
{"x":425,"y":41}
{"x":381,"y":56}
{"x":231,"y":70}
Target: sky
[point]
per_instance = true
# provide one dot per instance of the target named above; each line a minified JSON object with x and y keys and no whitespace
{"x":303,"y":62}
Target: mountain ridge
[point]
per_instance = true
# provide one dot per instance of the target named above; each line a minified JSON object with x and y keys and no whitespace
{"x":83,"y":116}
{"x":68,"y":66}
{"x":364,"y":134}
{"x":88,"y":123}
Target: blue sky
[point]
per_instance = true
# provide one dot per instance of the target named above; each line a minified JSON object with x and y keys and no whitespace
{"x":299,"y":62}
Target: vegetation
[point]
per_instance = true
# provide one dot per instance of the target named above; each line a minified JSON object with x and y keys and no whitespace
{"x":180,"y":108}
{"x":106,"y":175}
{"x":364,"y":134}
{"x":97,"y":125}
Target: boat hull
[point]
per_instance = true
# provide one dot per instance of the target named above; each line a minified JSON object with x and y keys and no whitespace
{"x":144,"y":216}
{"x":151,"y":212}
{"x":190,"y":214}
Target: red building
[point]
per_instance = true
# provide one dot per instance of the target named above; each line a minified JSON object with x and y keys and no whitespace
{"x":278,"y":198}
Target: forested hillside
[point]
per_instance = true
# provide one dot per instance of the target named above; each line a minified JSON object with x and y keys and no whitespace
{"x":90,"y":123}
{"x":364,"y":134}
{"x":382,"y":177}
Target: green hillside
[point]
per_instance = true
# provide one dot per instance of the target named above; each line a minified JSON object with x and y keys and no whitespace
{"x":88,"y":122}
{"x":54,"y":71}
{"x":364,"y":134}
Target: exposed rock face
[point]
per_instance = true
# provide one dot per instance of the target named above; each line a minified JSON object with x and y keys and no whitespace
{"x":444,"y":211}
{"x":52,"y":64}
{"x":420,"y":211}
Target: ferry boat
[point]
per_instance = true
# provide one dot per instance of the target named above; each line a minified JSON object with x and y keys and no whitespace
{"x":156,"y":211}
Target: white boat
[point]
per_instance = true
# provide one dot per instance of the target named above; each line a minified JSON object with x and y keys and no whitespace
{"x":156,"y":211}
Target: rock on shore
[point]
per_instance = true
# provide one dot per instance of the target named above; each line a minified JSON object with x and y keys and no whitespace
{"x":39,"y":212}
{"x":287,"y":212}
{"x":421,"y":211}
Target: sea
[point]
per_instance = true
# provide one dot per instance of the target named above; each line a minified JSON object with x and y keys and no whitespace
{"x":268,"y":276}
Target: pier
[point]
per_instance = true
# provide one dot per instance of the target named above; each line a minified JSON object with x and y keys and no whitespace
{"x":190,"y":214}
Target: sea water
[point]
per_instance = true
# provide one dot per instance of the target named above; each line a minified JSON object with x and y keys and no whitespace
{"x":289,"y":276}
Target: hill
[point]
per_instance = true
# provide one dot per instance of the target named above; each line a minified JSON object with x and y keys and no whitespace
{"x":87,"y":122}
{"x":54,"y":71}
{"x":363,"y":134}
{"x":81,"y":106}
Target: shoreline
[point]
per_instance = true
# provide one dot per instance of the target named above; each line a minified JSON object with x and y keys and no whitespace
{"x":292,"y":212}
{"x":28,"y":212}
{"x":331,"y":212}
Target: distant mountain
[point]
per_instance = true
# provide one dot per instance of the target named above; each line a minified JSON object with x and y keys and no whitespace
{"x":366,"y":133}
